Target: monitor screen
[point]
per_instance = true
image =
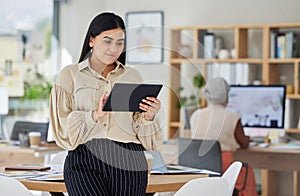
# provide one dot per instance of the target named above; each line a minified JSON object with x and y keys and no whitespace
{"x":259,"y":106}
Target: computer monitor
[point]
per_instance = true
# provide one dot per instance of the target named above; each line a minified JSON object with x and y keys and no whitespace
{"x":261,"y":107}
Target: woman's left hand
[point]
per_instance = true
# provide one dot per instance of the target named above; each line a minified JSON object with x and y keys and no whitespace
{"x":151,"y":106}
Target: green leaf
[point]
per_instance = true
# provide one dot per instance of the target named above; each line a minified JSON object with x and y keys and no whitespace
{"x":199,"y":81}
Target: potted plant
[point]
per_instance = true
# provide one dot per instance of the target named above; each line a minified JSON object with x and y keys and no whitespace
{"x":188,"y":104}
{"x":192,"y":100}
{"x":37,"y":90}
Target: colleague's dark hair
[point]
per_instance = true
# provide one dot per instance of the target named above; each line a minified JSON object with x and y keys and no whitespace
{"x":102,"y":22}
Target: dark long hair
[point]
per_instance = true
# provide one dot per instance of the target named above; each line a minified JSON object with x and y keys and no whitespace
{"x":102,"y":22}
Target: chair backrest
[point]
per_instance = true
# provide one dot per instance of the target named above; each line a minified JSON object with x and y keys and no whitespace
{"x":231,"y":174}
{"x":10,"y":186}
{"x":21,"y":126}
{"x":216,"y":186}
{"x":202,"y":154}
{"x":59,"y":158}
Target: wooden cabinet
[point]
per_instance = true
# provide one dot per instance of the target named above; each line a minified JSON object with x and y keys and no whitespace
{"x":285,"y":65}
{"x":253,"y":45}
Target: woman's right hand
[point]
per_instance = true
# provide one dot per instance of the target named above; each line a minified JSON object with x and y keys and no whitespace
{"x":97,"y":114}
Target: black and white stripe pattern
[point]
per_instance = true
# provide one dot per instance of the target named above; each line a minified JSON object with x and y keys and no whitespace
{"x":105,"y":167}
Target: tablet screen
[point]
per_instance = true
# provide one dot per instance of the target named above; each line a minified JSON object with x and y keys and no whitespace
{"x":126,"y":97}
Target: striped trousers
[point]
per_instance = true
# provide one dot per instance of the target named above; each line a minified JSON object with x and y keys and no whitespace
{"x":106,"y":168}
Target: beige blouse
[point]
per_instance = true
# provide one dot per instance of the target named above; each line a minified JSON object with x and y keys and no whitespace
{"x":214,"y":122}
{"x":77,"y":92}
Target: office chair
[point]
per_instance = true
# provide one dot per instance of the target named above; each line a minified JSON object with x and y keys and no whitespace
{"x":21,"y":126}
{"x":205,"y":154}
{"x":202,"y":154}
{"x":231,"y":174}
{"x":217,"y":186}
{"x":10,"y":186}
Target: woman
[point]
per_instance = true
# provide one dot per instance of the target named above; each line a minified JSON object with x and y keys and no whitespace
{"x":105,"y":148}
{"x":214,"y":122}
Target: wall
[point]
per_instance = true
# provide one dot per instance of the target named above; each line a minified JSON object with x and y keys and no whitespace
{"x":199,"y":12}
{"x":75,"y":16}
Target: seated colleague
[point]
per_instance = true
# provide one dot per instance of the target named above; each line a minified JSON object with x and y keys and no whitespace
{"x":214,"y":122}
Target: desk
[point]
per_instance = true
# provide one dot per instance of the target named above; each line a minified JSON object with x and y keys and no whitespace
{"x":10,"y":155}
{"x":156,"y":183}
{"x":271,"y":160}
